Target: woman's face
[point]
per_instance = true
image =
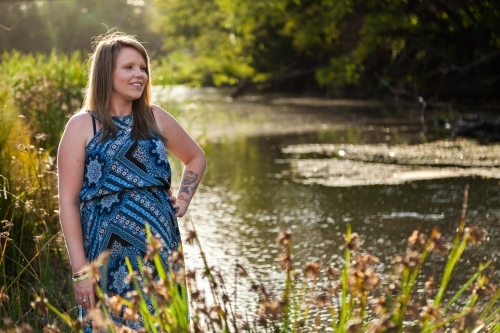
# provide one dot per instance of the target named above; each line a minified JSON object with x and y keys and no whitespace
{"x":130,"y":75}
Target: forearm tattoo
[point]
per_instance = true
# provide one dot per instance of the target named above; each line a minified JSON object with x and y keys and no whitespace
{"x":189,"y":182}
{"x":181,"y":197}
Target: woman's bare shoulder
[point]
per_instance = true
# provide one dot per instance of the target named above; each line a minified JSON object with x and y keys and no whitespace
{"x":160,"y":112}
{"x":80,"y":118}
{"x":162,"y":117}
{"x":80,"y":126}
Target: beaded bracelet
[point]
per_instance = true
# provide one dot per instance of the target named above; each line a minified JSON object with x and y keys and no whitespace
{"x":80,"y":278}
{"x":80,"y":273}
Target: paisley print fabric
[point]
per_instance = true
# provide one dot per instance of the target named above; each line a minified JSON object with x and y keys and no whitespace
{"x":125,"y":187}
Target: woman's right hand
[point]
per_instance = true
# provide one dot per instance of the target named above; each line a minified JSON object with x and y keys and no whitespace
{"x":173,"y":200}
{"x":85,"y":293}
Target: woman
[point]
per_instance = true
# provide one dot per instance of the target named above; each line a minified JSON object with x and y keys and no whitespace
{"x":114,"y":176}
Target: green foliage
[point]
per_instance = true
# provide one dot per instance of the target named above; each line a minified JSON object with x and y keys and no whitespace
{"x":46,"y":89}
{"x":443,"y":48}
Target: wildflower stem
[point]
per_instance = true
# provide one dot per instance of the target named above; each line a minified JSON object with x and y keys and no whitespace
{"x":409,"y":281}
{"x":104,"y":309}
{"x":30,"y":261}
{"x":286,"y":294}
{"x":466,"y":286}
{"x":491,"y":303}
{"x":59,"y":314}
{"x":345,"y":277}
{"x":455,"y":254}
{"x":148,"y":319}
{"x":297,"y":301}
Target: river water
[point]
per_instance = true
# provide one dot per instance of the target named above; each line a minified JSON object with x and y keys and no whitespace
{"x":249,"y":192}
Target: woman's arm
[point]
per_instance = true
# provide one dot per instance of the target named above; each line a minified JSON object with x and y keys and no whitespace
{"x":182,"y":146}
{"x":70,"y":167}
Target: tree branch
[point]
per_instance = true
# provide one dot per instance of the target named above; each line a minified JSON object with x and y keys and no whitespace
{"x":475,"y":63}
{"x":414,"y":95}
{"x":4,"y":27}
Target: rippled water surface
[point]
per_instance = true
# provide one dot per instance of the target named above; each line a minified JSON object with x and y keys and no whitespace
{"x":248,"y":193}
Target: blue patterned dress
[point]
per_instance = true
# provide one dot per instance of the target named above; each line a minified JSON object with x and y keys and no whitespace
{"x":125,"y":186}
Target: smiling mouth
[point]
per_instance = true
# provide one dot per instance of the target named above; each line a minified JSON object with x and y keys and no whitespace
{"x":136,"y":84}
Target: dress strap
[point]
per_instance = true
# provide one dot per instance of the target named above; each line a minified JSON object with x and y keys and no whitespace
{"x":93,"y":125}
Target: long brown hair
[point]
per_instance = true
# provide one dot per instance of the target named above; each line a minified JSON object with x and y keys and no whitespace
{"x":100,"y":84}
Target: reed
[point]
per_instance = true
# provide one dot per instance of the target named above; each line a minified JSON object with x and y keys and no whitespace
{"x":357,"y":297}
{"x":30,"y":241}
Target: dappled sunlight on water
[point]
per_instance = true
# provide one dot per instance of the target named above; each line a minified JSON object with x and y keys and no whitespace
{"x":259,"y":184}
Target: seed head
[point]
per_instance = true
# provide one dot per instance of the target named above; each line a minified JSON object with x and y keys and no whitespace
{"x":130,"y":314}
{"x":285,"y":262}
{"x":131,"y":277}
{"x":161,"y":291}
{"x":429,"y":285}
{"x":191,"y":275}
{"x":40,"y":304}
{"x":379,"y":305}
{"x":241,"y":270}
{"x":353,"y":243}
{"x":284,"y":238}
{"x":323,"y":299}
{"x":6,"y":224}
{"x":311,"y":270}
{"x":439,"y":244}
{"x":134,"y":296}
{"x":191,"y":237}
{"x":195,"y":295}
{"x":25,"y":328}
{"x":430,"y":311}
{"x":8,"y":321}
{"x":115,"y":305}
{"x":332,"y":273}
{"x":482,"y":290}
{"x":4,"y":298}
{"x":40,"y":137}
{"x":272,"y":309}
{"x":21,"y":147}
{"x":410,"y":260}
{"x":476,"y":235}
{"x":417,"y":240}
{"x":94,"y":267}
{"x":51,"y":328}
{"x":154,"y":246}
{"x":177,"y":258}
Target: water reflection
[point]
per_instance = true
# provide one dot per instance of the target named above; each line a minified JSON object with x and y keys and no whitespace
{"x":248,"y":195}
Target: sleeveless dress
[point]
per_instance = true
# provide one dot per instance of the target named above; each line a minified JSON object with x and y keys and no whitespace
{"x":125,"y":187}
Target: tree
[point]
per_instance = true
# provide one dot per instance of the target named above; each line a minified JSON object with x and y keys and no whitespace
{"x":443,"y":48}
